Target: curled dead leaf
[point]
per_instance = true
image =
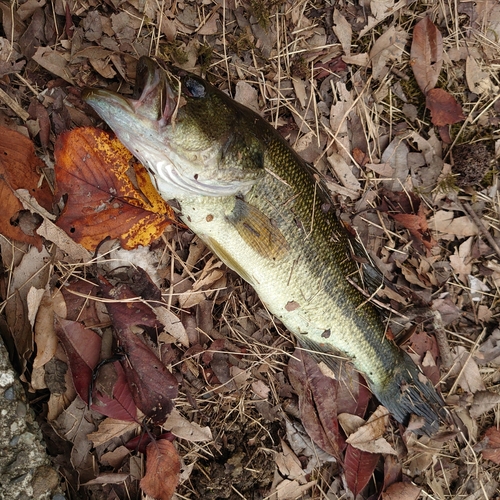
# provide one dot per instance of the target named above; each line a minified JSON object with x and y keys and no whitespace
{"x":369,"y":436}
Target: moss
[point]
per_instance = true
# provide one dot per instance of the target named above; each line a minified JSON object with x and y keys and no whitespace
{"x":262,"y":10}
{"x":300,"y":68}
{"x":174,"y":52}
{"x":241,"y":44}
{"x":447,"y":183}
{"x":489,"y":177}
{"x":205,"y":56}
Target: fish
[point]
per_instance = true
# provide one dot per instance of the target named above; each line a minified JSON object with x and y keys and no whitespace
{"x":264,"y":211}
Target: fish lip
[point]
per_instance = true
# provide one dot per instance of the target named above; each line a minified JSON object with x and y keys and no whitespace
{"x":97,"y":97}
{"x":154,"y":98}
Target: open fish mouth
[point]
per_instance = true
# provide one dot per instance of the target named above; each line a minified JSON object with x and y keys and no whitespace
{"x":153,"y":99}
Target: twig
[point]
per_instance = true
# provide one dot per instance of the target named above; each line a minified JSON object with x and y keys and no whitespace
{"x":482,"y":229}
{"x":442,"y":340}
{"x":13,"y":105}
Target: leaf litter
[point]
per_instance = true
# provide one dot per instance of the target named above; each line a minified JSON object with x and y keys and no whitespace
{"x":396,"y":106}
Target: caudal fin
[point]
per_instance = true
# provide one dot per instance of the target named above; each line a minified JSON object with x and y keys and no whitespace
{"x":408,"y":392}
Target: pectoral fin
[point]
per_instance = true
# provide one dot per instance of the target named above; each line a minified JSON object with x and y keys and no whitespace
{"x":257,"y":230}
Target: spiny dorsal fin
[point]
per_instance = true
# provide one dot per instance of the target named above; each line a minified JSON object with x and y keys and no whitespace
{"x":257,"y":230}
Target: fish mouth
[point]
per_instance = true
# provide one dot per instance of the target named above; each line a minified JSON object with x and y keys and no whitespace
{"x":153,"y":100}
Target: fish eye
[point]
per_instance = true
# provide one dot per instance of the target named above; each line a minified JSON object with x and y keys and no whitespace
{"x":194,"y":88}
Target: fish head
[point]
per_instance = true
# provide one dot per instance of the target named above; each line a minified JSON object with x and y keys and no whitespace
{"x":193,"y":138}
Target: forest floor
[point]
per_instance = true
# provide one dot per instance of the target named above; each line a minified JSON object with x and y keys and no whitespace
{"x":397,"y":105}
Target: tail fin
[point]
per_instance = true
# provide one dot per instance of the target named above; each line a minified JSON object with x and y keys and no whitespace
{"x":405,"y":391}
{"x":408,"y":392}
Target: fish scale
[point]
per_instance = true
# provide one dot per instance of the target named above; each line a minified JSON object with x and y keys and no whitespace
{"x":264,"y":212}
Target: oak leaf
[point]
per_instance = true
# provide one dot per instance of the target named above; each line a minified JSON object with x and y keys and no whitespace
{"x":93,"y":168}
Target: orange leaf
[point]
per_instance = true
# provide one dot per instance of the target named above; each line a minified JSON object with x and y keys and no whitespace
{"x":162,"y":470}
{"x":417,"y":225}
{"x":444,"y":108}
{"x":426,"y":54}
{"x":19,"y":170}
{"x":92,"y":168}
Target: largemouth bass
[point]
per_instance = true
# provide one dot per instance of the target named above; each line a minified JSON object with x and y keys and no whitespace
{"x":263,"y":211}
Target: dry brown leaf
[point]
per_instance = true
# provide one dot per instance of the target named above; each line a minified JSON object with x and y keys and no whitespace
{"x":19,"y":168}
{"x":491,"y":443}
{"x":465,"y":367}
{"x":116,"y":457}
{"x":448,"y":226}
{"x":75,"y":423}
{"x":290,"y":490}
{"x":261,"y":389}
{"x":381,"y":9}
{"x":212,"y":277}
{"x":173,"y":325}
{"x":49,"y":231}
{"x":31,"y":271}
{"x":245,"y":94}
{"x":387,"y":49}
{"x":401,"y":491}
{"x":350,"y":423}
{"x":396,"y":155}
{"x":339,"y":112}
{"x":426,"y":54}
{"x":54,"y":62}
{"x":461,"y":260}
{"x":45,"y":335}
{"x":33,"y":300}
{"x":289,"y":465}
{"x":477,"y":80}
{"x":163,"y":468}
{"x":344,"y":172}
{"x":369,"y":436}
{"x":183,"y":429}
{"x":210,"y":27}
{"x":108,"y":478}
{"x":111,"y":428}
{"x":483,"y":402}
{"x":299,"y":86}
{"x":343,"y":31}
{"x":444,"y":108}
